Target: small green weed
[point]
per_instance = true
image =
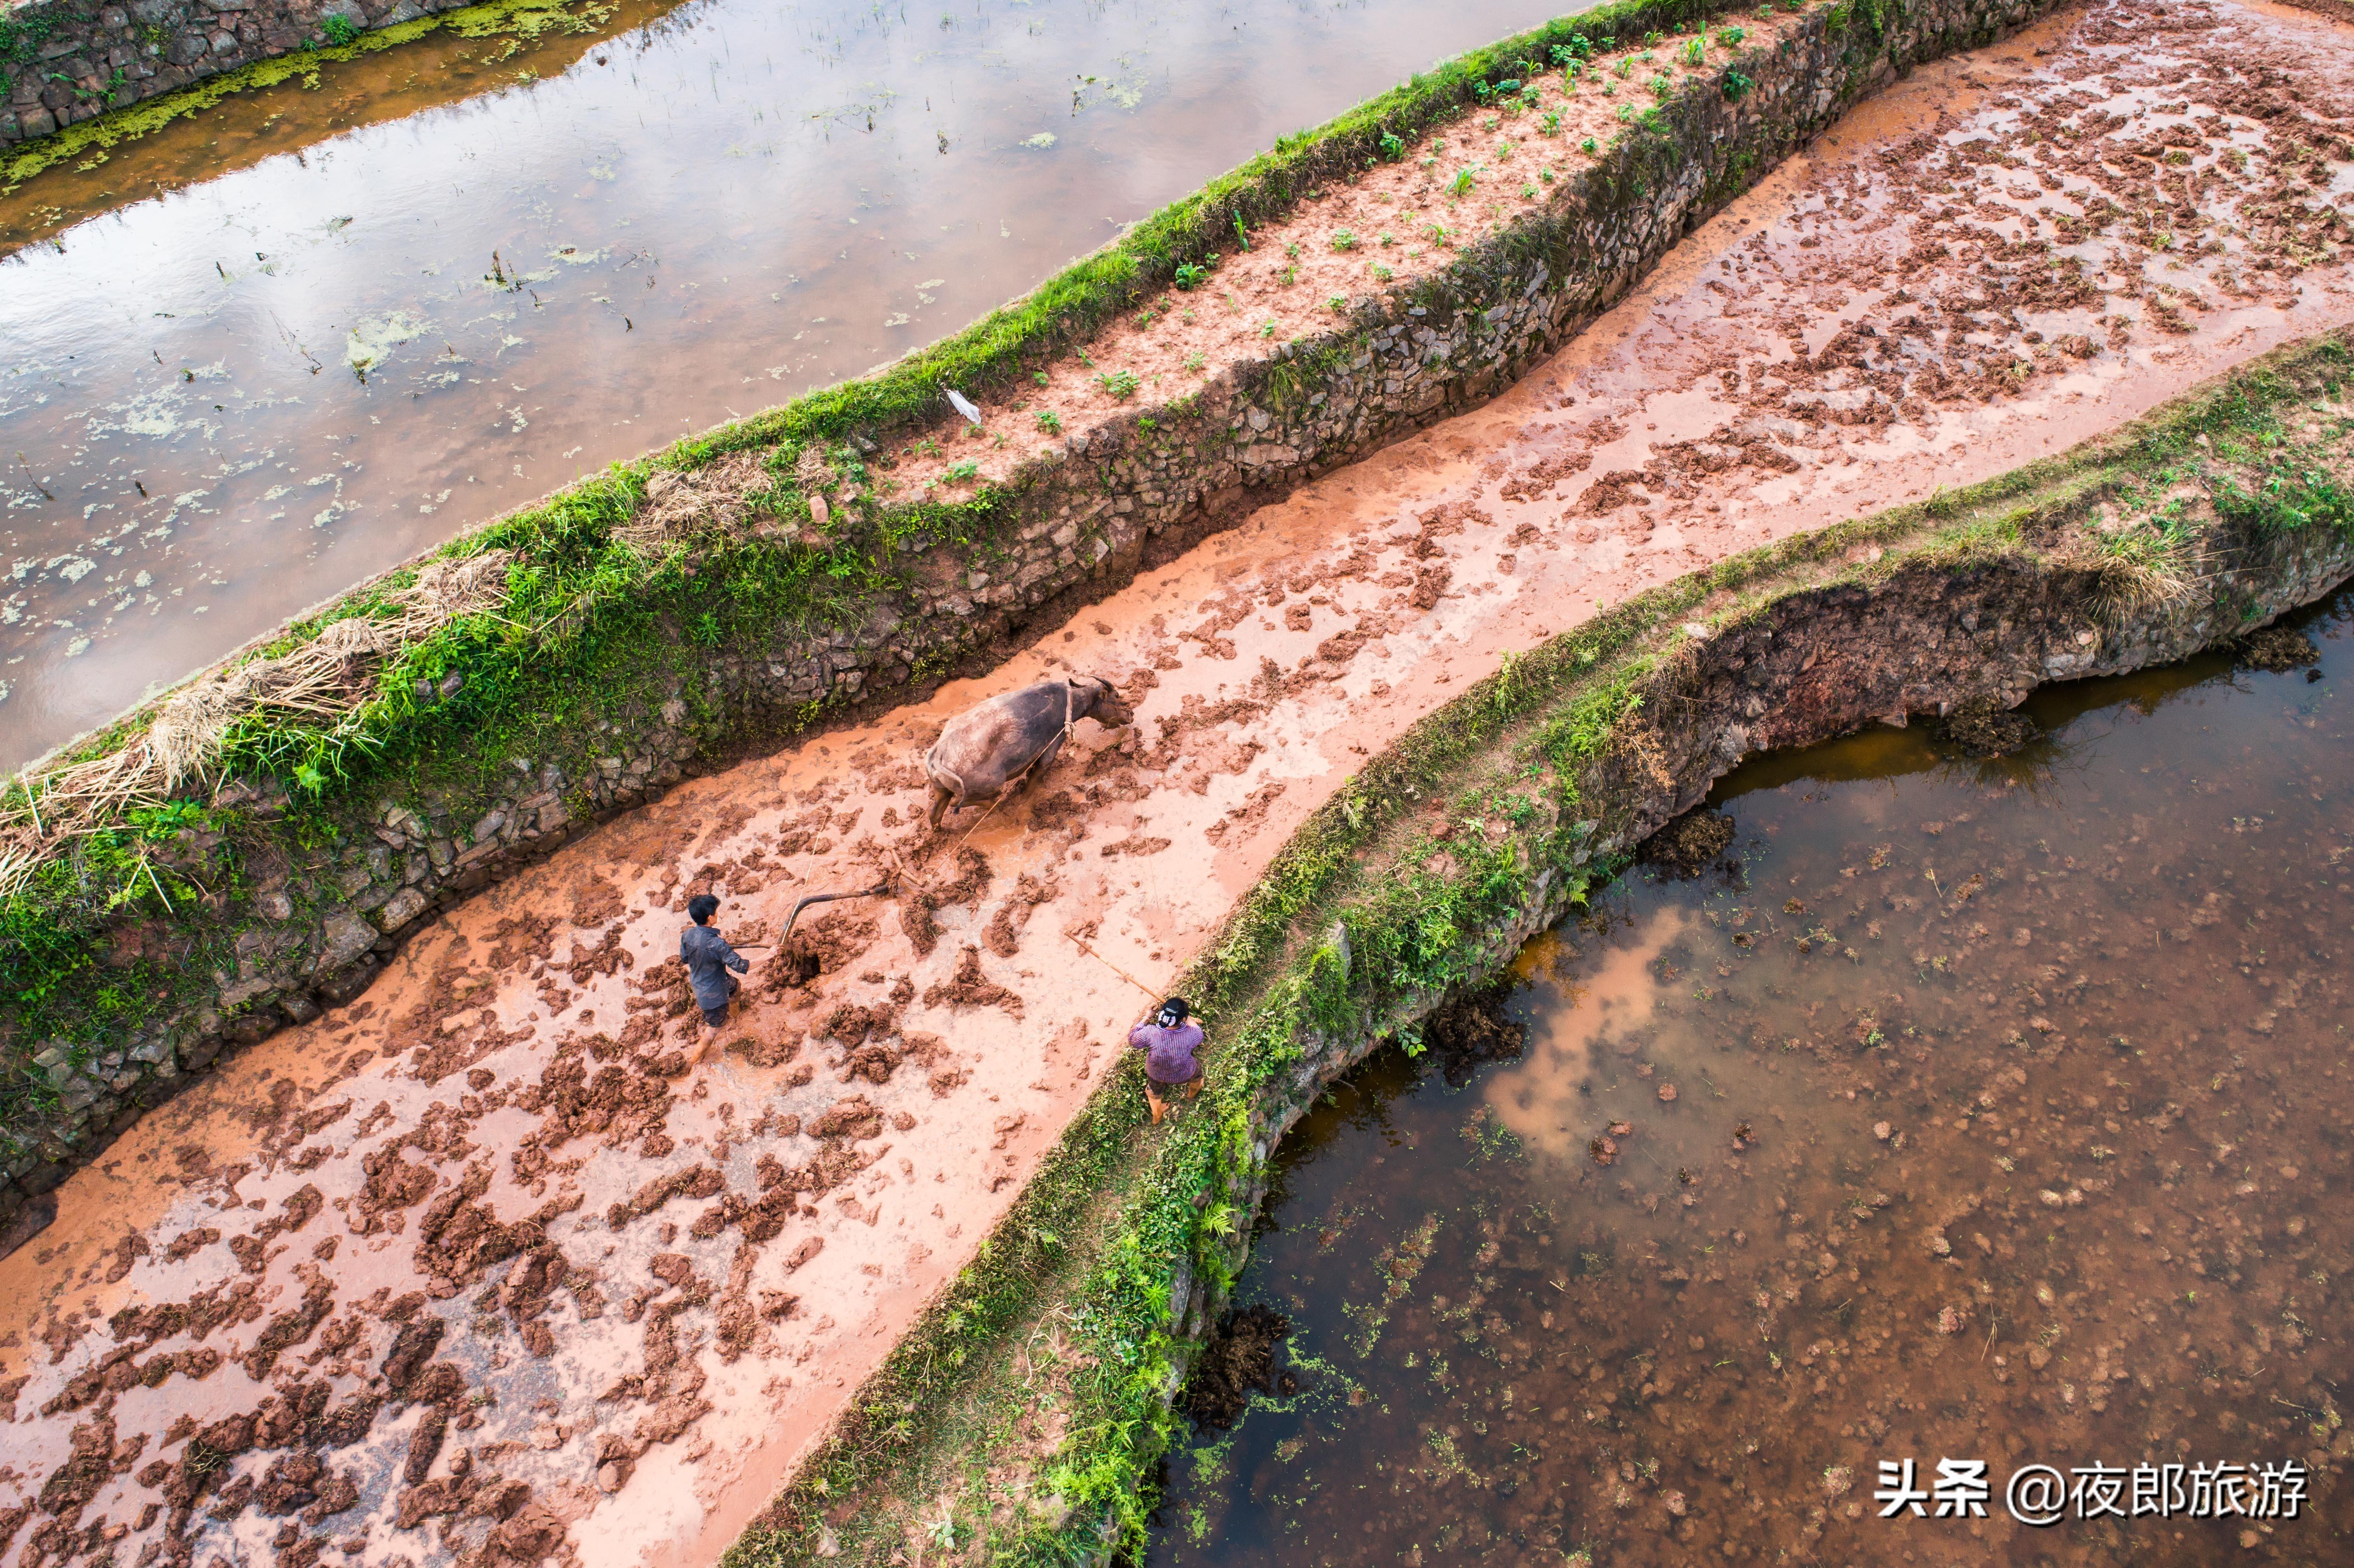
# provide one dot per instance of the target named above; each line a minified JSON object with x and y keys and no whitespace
{"x":1190,"y":275}
{"x":1121,"y":384}
{"x":1345,"y":241}
{"x":341,"y":31}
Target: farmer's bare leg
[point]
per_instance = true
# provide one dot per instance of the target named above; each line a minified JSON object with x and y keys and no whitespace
{"x":715,"y":1018}
{"x":1159,"y":1095}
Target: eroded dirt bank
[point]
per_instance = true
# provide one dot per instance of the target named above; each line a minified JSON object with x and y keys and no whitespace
{"x":479,"y":1266}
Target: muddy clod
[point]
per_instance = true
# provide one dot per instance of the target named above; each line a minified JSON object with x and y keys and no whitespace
{"x":1988,"y":731}
{"x":917,"y":907}
{"x":1688,"y":845}
{"x":968,"y":987}
{"x":2276,"y":649}
{"x":1469,"y":1029}
{"x":1238,"y":1360}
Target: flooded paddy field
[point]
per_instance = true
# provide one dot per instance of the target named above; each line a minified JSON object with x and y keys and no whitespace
{"x":1938,"y":1106}
{"x":264,"y":353}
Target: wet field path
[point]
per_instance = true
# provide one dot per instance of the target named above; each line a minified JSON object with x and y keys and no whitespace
{"x":1983,"y":1109}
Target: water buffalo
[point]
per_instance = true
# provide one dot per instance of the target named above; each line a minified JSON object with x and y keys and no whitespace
{"x":1012,"y":739}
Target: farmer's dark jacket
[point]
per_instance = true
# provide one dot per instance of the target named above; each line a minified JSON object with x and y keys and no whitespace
{"x":708,"y":959}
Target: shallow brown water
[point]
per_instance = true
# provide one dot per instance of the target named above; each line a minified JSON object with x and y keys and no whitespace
{"x":693,"y":219}
{"x":2048,"y":1164}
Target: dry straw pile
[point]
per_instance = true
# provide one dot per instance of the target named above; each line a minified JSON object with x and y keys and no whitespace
{"x":725,"y":495}
{"x":44,"y":810}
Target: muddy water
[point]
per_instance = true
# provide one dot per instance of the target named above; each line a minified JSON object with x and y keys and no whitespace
{"x":1963,"y":1110}
{"x":236,"y":398}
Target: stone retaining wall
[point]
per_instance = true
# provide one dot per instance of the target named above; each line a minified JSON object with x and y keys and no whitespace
{"x":1116,"y":499}
{"x":74,"y":59}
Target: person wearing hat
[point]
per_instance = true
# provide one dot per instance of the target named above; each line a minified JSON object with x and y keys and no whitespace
{"x":1168,"y":1040}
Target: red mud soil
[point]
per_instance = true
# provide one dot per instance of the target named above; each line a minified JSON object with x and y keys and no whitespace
{"x":481,"y":1266}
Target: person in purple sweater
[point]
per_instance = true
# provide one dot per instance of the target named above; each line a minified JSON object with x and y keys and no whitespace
{"x":1169,"y":1042}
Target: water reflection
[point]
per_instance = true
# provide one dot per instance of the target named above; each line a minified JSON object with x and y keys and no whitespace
{"x":235,"y":399}
{"x":1982,"y":1110}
